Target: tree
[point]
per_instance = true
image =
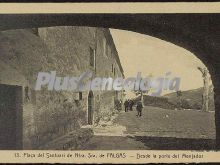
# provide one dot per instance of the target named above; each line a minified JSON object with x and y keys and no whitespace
{"x":205,"y":95}
{"x":141,"y":92}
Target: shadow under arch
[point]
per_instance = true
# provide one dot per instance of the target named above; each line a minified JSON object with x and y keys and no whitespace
{"x":198,"y":33}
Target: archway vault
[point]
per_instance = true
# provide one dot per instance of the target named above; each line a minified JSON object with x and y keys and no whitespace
{"x":198,"y":33}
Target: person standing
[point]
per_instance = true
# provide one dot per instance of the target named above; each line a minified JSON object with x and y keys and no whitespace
{"x":139,"y":108}
{"x":126,"y":104}
{"x":131,"y":104}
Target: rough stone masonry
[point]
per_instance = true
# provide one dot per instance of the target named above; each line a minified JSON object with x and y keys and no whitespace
{"x":47,"y":115}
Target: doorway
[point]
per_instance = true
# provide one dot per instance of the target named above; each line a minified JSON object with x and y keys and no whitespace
{"x":90,"y":107}
{"x":10,"y":117}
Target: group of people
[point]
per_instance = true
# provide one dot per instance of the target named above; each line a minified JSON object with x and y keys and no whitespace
{"x":129,"y":106}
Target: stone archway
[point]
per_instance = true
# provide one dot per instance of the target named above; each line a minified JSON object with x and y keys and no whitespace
{"x":198,"y":33}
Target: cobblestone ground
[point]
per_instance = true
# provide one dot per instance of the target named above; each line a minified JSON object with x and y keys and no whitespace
{"x":156,"y":129}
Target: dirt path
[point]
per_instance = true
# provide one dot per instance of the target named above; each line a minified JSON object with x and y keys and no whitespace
{"x":156,"y":129}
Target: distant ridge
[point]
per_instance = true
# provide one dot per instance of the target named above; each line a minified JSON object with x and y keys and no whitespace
{"x":194,"y":97}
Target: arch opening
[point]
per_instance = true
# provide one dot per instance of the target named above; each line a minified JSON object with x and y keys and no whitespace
{"x":154,"y":57}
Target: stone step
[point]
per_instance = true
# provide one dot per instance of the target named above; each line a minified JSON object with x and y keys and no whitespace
{"x":73,"y":140}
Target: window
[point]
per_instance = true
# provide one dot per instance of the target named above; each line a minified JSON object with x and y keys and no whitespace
{"x":112,"y":68}
{"x":114,"y":72}
{"x":94,"y":34}
{"x":92,"y":57}
{"x":26,"y":94}
{"x":80,"y":95}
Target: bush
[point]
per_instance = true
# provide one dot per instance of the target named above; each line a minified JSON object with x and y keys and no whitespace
{"x":185,"y":104}
{"x":197,"y":106}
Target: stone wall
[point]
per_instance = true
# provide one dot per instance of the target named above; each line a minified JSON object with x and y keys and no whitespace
{"x":48,"y":115}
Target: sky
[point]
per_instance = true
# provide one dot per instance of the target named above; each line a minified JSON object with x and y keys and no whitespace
{"x":153,"y":56}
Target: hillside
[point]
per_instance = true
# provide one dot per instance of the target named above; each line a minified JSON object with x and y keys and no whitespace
{"x":192,"y":97}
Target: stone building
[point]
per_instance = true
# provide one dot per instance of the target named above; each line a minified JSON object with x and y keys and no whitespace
{"x":31,"y":119}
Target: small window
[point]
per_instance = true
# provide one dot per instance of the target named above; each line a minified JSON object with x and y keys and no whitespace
{"x":80,"y":95}
{"x":92,"y":57}
{"x":112,"y":68}
{"x":114,"y":72}
{"x":94,"y":34}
